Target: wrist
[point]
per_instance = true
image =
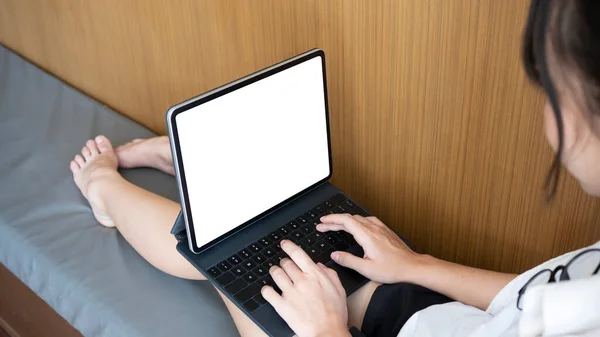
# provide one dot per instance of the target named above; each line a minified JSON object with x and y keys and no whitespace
{"x":419,"y":271}
{"x":336,"y":333}
{"x":339,"y":330}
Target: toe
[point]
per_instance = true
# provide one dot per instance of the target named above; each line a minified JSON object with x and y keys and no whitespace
{"x":92,"y":146}
{"x":104,"y":144}
{"x":79,"y":160}
{"x":86,"y":153}
{"x":74,"y":166}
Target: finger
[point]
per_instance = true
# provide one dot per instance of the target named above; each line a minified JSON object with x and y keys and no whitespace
{"x":302,"y":260}
{"x":326,"y":227}
{"x":348,"y":221}
{"x":271,"y":296}
{"x":333,"y":277}
{"x":291,"y":269}
{"x":348,"y":224}
{"x":282,"y":280}
{"x":350,"y":261}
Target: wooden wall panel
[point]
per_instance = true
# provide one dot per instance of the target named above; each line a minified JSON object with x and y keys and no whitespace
{"x":435,"y":128}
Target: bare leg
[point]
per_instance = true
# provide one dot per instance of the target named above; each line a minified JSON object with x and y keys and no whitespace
{"x":357,"y":306}
{"x":145,"y":219}
{"x":142,"y":217}
{"x":153,"y":152}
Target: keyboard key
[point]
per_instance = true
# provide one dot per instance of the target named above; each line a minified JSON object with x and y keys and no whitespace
{"x":275,"y":236}
{"x":332,"y":239}
{"x":284,"y":230}
{"x":341,"y":234}
{"x":265,"y":281}
{"x":247,"y":293}
{"x":251,"y":305}
{"x":239,"y":271}
{"x":260,"y":299}
{"x":303,"y":220}
{"x":214,"y":272}
{"x":277,"y":246}
{"x":323,"y":244}
{"x":328,"y":205}
{"x":308,"y":241}
{"x":314,"y":223}
{"x":355,"y":210}
{"x":356,"y":250}
{"x":261,"y":271}
{"x":279,"y":256}
{"x":255,"y":248}
{"x":307,"y":230}
{"x":269,"y":252}
{"x":324,"y":257}
{"x":319,"y":210}
{"x":292,"y":225}
{"x":250,"y":277}
{"x":234,"y":259}
{"x":235,"y":286}
{"x":225,"y":279}
{"x":337,"y":199}
{"x":224,"y":266}
{"x":342,"y":207}
{"x":342,"y":246}
{"x":311,"y":215}
{"x":297,"y":236}
{"x":338,"y":210}
{"x":265,"y":242}
{"x":348,"y":204}
{"x":318,"y":235}
{"x":270,"y":264}
{"x":249,"y":264}
{"x":245,"y":253}
{"x":259,"y":259}
{"x":313,"y":251}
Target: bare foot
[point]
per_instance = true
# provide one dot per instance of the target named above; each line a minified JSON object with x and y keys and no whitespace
{"x":153,"y":152}
{"x":96,"y":163}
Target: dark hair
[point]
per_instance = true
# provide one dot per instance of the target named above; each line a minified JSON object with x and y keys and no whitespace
{"x":572,"y":27}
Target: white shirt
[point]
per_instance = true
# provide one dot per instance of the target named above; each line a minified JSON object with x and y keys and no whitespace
{"x":569,"y":308}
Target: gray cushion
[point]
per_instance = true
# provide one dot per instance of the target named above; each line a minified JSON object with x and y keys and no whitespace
{"x":48,"y":235}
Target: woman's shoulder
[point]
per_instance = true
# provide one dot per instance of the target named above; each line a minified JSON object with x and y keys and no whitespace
{"x":508,"y":295}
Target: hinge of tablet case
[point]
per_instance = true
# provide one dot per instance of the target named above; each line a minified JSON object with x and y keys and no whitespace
{"x":178,"y":229}
{"x":181,"y":235}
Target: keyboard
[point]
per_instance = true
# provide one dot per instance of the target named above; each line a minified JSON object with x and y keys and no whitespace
{"x":242,"y":275}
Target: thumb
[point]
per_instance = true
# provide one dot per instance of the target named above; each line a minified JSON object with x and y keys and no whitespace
{"x":348,"y":260}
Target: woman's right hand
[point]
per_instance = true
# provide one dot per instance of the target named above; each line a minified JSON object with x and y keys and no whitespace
{"x":387,"y":258}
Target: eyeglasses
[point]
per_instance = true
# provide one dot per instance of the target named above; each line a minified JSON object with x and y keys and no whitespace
{"x":582,"y":265}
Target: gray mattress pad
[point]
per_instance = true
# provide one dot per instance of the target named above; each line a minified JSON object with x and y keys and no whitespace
{"x":48,"y":236}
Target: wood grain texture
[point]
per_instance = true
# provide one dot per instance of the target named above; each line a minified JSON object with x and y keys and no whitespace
{"x":435,"y":128}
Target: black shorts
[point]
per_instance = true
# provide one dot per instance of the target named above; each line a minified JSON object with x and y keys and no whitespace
{"x":392,"y":305}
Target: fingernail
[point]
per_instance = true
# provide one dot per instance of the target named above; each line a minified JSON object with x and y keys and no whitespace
{"x":335,"y":256}
{"x":283,"y":242}
{"x":99,"y":139}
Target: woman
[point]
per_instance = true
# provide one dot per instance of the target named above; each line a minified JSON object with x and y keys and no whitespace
{"x":561,"y":53}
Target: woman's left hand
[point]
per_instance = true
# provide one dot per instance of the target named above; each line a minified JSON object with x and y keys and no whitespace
{"x":313,"y":300}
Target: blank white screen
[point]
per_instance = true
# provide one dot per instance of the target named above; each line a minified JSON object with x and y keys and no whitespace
{"x":251,"y":149}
